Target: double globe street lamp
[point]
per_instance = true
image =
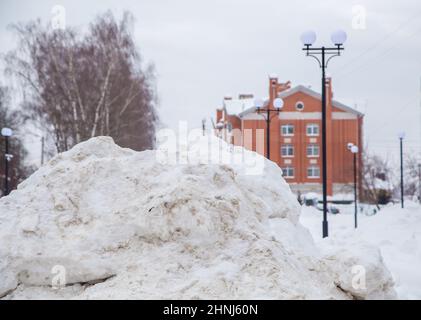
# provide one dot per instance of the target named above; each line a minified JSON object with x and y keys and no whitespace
{"x":278,"y":103}
{"x":354,"y":149}
{"x":6,"y":133}
{"x":325,"y":53}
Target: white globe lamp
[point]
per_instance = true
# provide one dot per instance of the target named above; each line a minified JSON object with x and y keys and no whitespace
{"x":308,"y":38}
{"x":338,"y":37}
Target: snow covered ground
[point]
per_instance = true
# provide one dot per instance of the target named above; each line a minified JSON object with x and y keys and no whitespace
{"x":100,"y":221}
{"x":395,"y":231}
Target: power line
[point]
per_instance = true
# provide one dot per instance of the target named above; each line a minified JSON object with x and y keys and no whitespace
{"x":385,"y":52}
{"x":356,"y":58}
{"x":396,"y":114}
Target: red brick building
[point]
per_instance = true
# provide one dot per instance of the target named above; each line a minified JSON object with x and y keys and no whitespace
{"x":295,"y":135}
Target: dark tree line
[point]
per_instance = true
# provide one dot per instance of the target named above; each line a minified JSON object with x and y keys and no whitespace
{"x":78,"y":85}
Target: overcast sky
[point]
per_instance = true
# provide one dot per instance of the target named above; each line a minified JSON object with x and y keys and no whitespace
{"x":203,"y":50}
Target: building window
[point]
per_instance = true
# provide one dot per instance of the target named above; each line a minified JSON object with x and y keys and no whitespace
{"x":229,"y":126}
{"x":288,"y":172}
{"x":287,"y":150}
{"x":313,"y":150}
{"x":299,"y":106}
{"x":287,"y":129}
{"x":313,"y":172}
{"x":312,"y":129}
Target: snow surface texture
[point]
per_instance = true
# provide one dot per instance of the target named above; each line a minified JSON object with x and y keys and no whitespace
{"x":395,"y":231}
{"x":121,"y":225}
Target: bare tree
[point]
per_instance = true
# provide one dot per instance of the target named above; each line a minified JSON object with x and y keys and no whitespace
{"x":376,"y":180}
{"x":78,"y":86}
{"x":412,"y":175}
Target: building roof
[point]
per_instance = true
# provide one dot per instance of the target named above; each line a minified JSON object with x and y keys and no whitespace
{"x":253,"y":108}
{"x":310,"y":92}
{"x":237,"y":106}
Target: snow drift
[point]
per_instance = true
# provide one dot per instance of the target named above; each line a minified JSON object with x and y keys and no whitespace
{"x":109,"y":222}
{"x":395,"y":232}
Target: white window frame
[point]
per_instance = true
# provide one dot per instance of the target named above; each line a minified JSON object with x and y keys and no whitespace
{"x":313,"y":146}
{"x":312,"y":126}
{"x":287,"y":126}
{"x":287,"y":146}
{"x":285,"y":172}
{"x":313,"y":169}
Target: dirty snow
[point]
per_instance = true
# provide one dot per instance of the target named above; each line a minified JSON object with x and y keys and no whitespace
{"x":121,"y":224}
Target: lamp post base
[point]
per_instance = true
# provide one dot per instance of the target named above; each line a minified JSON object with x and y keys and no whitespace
{"x":325,"y":228}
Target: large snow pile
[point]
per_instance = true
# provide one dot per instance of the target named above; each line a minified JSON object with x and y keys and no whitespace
{"x":114,"y":223}
{"x":394,"y":231}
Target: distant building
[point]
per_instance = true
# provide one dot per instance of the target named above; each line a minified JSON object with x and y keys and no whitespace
{"x":296,"y":134}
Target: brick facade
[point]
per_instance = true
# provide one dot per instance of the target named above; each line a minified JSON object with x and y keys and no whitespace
{"x":295,"y":135}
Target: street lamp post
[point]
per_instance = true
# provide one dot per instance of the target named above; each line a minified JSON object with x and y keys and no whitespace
{"x":354,"y":150}
{"x":6,"y":133}
{"x":338,"y":38}
{"x":220,"y":126}
{"x":419,"y":182}
{"x":277,"y":104}
{"x":401,"y":137}
{"x":203,"y":128}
